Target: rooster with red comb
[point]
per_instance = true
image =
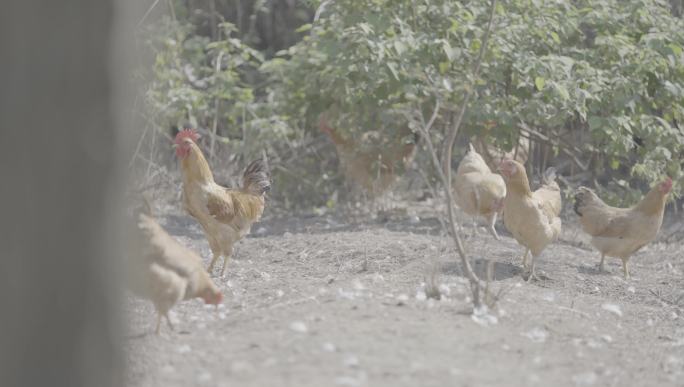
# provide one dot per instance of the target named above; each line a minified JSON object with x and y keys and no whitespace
{"x":226,"y":215}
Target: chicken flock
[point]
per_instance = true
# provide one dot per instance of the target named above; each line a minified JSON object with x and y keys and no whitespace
{"x":166,"y":272}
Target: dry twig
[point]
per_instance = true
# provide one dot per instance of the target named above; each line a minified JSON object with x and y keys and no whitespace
{"x":444,"y":168}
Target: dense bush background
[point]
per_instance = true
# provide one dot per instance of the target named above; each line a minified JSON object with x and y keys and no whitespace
{"x":598,"y":86}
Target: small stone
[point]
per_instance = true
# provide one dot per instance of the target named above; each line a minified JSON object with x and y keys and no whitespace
{"x":241,"y":367}
{"x":607,"y":338}
{"x":357,"y":285}
{"x":299,"y":326}
{"x":585,"y":379}
{"x":329,"y":347}
{"x":351,"y":361}
{"x":537,"y":335}
{"x":612,"y":308}
{"x":204,"y":377}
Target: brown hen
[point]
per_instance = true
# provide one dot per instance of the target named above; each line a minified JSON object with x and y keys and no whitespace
{"x":620,"y":232}
{"x":532,"y":217}
{"x":478,"y":191}
{"x":166,"y":272}
{"x":374,"y":169}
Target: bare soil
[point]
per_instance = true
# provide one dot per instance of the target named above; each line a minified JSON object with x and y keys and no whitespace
{"x":319,"y":301}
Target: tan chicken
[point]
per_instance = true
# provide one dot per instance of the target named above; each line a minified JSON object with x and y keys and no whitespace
{"x":620,"y":232}
{"x":226,"y":215}
{"x":532,"y":217}
{"x":372,"y":168}
{"x":478,"y":191}
{"x":166,"y":272}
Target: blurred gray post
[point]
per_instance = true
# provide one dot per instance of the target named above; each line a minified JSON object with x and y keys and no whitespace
{"x":59,"y":190}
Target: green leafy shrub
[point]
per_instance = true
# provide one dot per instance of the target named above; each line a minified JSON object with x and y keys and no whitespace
{"x":601,"y":80}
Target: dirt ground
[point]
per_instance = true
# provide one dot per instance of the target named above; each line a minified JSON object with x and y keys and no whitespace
{"x":319,"y":301}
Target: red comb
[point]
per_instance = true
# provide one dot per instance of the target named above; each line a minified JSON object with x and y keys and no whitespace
{"x":186,"y":133}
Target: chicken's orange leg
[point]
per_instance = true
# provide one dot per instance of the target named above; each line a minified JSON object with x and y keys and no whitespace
{"x":603,"y":257}
{"x":625,"y":268}
{"x":532,"y":274}
{"x":168,"y":320}
{"x":226,"y":257}
{"x":491,"y":228}
{"x":524,"y":257}
{"x":213,"y":262}
{"x":474,"y":230}
{"x":159,"y":318}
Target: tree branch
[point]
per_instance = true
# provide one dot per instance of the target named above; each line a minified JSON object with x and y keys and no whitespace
{"x":476,"y":284}
{"x":451,"y":137}
{"x":539,"y":137}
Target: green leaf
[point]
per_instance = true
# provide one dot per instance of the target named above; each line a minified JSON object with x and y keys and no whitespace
{"x":475,"y":45}
{"x":595,"y":123}
{"x":562,"y":91}
{"x":367,"y":29}
{"x":450,"y":52}
{"x":555,"y":37}
{"x":444,"y":67}
{"x":539,"y":82}
{"x":304,"y":28}
{"x":454,"y":25}
{"x":393,"y":68}
{"x":676,"y":50}
{"x":614,"y":164}
{"x":399,"y":46}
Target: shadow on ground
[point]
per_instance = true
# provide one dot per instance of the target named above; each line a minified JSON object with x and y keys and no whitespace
{"x":501,"y":270}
